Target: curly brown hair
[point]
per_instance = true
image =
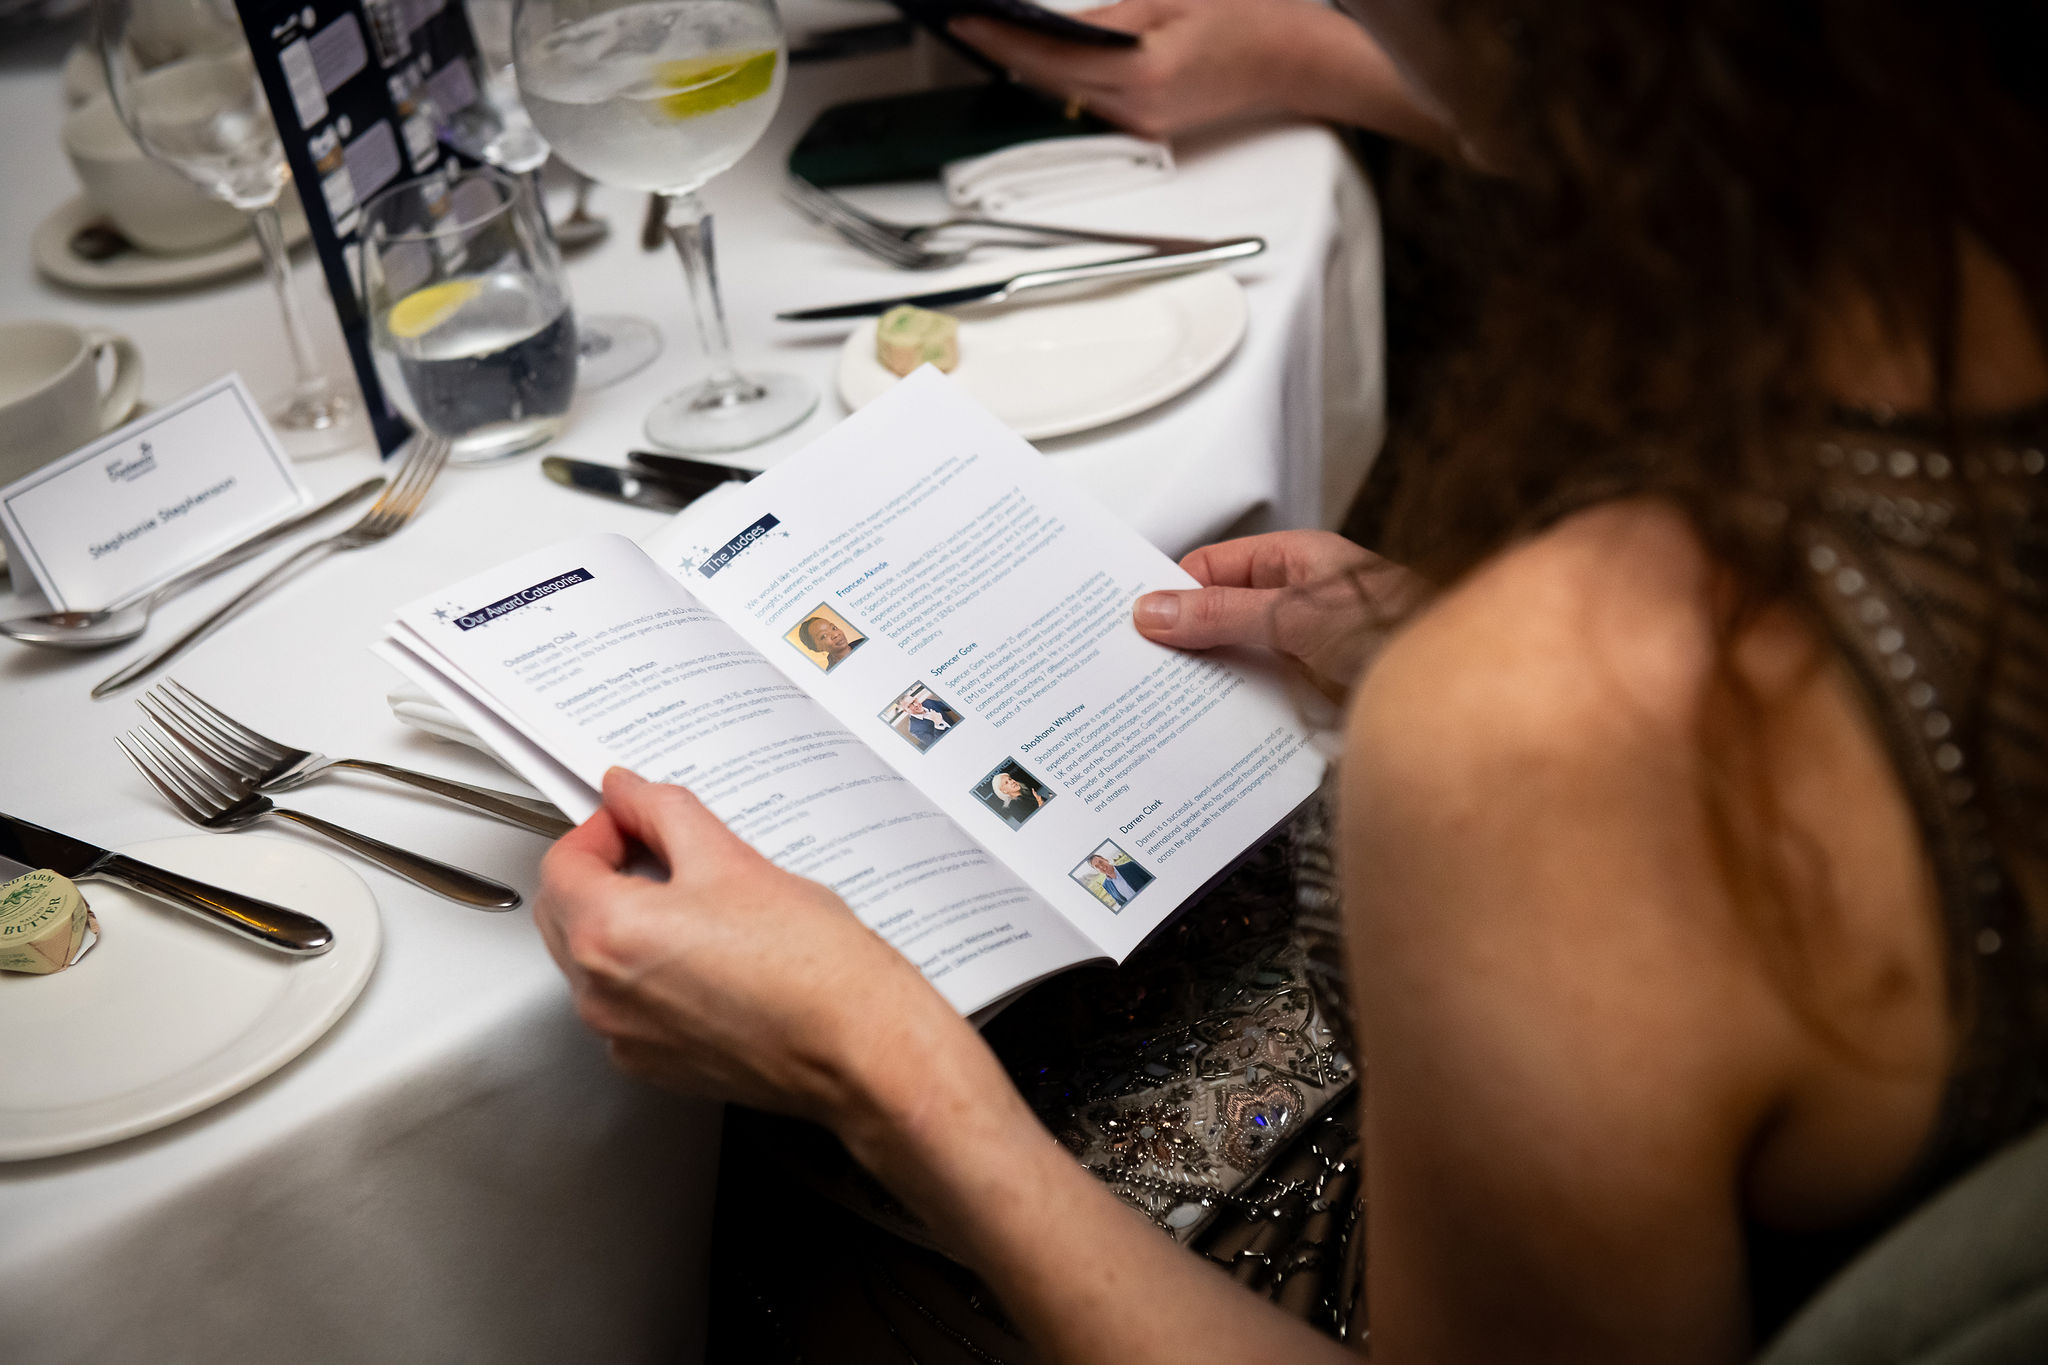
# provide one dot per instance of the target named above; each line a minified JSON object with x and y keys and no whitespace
{"x":1692,"y":190}
{"x":1691,"y":196}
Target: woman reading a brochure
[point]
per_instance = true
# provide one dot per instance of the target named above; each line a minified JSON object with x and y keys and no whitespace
{"x":1691,"y":804}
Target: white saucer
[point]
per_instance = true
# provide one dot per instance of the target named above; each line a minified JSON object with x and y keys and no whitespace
{"x":1054,"y":368}
{"x":167,"y":1015}
{"x":51,"y":250}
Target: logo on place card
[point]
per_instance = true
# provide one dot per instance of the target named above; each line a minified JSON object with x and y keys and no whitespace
{"x":121,"y":470}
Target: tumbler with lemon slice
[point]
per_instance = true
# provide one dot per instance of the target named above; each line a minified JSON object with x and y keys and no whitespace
{"x":470,"y":326}
{"x":663,"y":96}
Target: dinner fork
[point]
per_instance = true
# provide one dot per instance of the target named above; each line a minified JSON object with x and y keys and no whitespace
{"x":269,"y":766}
{"x":906,"y":245}
{"x":393,"y":508}
{"x":215,"y":798}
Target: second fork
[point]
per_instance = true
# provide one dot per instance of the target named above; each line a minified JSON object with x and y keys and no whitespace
{"x":273,"y":767}
{"x":214,"y":798}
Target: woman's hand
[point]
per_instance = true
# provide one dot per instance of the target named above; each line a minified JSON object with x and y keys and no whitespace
{"x":732,"y":978}
{"x":1310,"y":595}
{"x":1202,"y":61}
{"x":736,"y":979}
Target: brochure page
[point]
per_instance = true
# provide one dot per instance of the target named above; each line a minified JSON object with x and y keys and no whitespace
{"x":599,"y":658}
{"x":953,"y":601}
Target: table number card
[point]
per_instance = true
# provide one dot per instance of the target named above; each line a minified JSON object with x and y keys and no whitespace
{"x":359,"y":90}
{"x":150,"y":500}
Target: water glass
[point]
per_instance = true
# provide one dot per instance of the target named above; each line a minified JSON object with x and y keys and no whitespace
{"x":470,"y":325}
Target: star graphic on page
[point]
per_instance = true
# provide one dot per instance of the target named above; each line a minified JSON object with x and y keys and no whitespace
{"x":440,"y":613}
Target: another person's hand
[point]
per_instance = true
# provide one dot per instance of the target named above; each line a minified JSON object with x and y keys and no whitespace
{"x":1203,"y":61}
{"x":732,"y":978}
{"x":1315,"y":597}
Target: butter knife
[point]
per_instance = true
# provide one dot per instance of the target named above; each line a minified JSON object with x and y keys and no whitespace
{"x":997,"y":291}
{"x":25,"y":847}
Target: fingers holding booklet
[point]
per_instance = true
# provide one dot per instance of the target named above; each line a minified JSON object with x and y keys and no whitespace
{"x":919,"y":570}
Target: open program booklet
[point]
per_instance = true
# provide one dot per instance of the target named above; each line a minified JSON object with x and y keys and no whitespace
{"x":900,"y":663}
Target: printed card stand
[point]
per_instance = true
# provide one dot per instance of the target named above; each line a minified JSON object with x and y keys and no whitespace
{"x":359,"y":90}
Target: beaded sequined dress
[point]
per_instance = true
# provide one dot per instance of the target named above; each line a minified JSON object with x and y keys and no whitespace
{"x":1932,"y":571}
{"x":1926,"y":555}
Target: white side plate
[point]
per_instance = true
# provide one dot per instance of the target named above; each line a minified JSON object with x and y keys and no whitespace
{"x":51,"y":250}
{"x":1067,"y":365}
{"x":167,"y":1015}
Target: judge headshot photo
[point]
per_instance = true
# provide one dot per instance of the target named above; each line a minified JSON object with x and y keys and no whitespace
{"x":825,"y":637}
{"x":1013,"y":794}
{"x":1111,"y":876}
{"x":920,"y":717}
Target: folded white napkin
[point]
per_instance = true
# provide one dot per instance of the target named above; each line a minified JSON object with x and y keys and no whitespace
{"x":422,"y":712}
{"x":1056,"y":169}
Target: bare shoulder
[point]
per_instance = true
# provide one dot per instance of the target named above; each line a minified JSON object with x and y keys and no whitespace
{"x":1536,"y":788}
{"x":1524,"y":765}
{"x":1592,"y":642}
{"x":1540,"y":950}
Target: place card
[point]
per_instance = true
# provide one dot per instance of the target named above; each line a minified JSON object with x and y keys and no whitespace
{"x":150,"y":500}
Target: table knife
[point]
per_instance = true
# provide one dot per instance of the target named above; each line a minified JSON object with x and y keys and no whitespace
{"x":640,"y":487}
{"x":25,"y":847}
{"x":997,"y":291}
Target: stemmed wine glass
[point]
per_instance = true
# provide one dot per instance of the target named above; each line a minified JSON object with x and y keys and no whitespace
{"x":662,"y":95}
{"x":183,"y":81}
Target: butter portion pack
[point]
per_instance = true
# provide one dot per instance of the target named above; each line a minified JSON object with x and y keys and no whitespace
{"x":45,"y":924}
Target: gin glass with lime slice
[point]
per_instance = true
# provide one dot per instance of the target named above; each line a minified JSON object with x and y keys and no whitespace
{"x":470,"y":327}
{"x":662,"y":95}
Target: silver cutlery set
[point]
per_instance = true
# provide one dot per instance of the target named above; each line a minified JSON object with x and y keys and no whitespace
{"x":914,"y":246}
{"x":221,"y":774}
{"x":216,"y":773}
{"x":910,"y":246}
{"x":124,"y":619}
{"x":398,"y":504}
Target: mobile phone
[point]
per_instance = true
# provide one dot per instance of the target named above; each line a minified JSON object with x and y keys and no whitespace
{"x":935,"y":14}
{"x":909,"y":137}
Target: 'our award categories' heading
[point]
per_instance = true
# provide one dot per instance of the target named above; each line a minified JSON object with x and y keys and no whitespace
{"x":525,"y":597}
{"x":726,"y":553}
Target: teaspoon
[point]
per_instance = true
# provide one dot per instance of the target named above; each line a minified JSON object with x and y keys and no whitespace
{"x":128,"y":618}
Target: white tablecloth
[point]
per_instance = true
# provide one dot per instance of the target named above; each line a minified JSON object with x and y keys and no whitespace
{"x":453,"y":1174}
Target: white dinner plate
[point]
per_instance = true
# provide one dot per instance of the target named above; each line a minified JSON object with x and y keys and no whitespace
{"x":167,"y":1015}
{"x":51,"y":250}
{"x":1066,"y":365}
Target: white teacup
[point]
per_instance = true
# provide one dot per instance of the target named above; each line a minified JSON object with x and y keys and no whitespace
{"x":154,"y":207}
{"x":51,"y":400}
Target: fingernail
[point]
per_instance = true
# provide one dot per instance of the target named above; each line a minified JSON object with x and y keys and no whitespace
{"x":626,"y":775}
{"x":1157,"y":610}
